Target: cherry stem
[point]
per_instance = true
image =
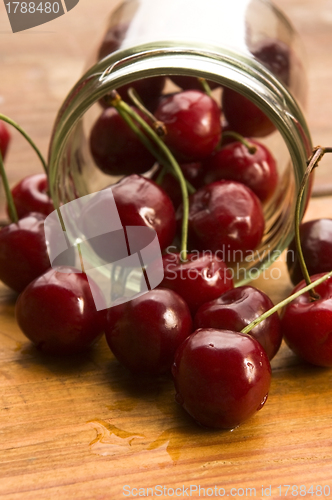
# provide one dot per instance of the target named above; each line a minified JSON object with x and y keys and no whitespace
{"x":312,"y":163}
{"x":158,"y":126}
{"x":249,"y":145}
{"x":284,"y":302}
{"x":26,"y":136}
{"x":124,"y":109}
{"x":205,"y":86}
{"x":10,"y":201}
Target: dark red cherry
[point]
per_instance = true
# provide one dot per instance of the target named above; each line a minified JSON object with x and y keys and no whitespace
{"x":199,"y":279}
{"x":237,"y":308}
{"x":243,"y":116}
{"x":58,"y":314}
{"x":31,"y":195}
{"x":144,"y":333}
{"x":221,"y":377}
{"x":192,"y":172}
{"x":307,"y":324}
{"x":275,"y":55}
{"x":5,"y":138}
{"x":191,"y":82}
{"x":192,"y":120}
{"x":23,"y":252}
{"x":112,"y":40}
{"x":316,"y":244}
{"x":235,"y":162}
{"x":140,"y":202}
{"x":115,"y":148}
{"x":225,"y":217}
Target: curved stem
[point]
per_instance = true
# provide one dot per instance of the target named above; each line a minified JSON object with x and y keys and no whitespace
{"x":313,"y":161}
{"x":249,"y":145}
{"x":205,"y":86}
{"x":26,"y":136}
{"x":284,"y":302}
{"x":158,"y":126}
{"x":123,"y":108}
{"x":10,"y":201}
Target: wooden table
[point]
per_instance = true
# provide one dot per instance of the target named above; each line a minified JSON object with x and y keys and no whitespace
{"x":84,"y":429}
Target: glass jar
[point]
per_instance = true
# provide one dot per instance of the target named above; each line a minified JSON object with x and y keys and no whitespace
{"x":220,"y":41}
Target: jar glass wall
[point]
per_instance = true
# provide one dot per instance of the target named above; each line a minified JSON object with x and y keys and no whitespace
{"x":245,"y":46}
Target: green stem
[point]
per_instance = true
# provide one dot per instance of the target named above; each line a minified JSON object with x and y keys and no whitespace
{"x":313,"y":161}
{"x":205,"y":86}
{"x":249,"y":145}
{"x":123,"y":108}
{"x":284,"y":302}
{"x":26,"y":136}
{"x":10,"y":201}
{"x":158,"y":126}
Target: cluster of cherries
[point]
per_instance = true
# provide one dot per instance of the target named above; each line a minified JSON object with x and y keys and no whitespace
{"x":195,"y":324}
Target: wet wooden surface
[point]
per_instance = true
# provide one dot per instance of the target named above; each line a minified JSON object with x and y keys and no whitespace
{"x":85,"y":429}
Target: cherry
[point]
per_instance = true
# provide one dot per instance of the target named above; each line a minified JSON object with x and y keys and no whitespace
{"x":57,"y":312}
{"x":115,"y":148}
{"x":140,"y":202}
{"x":221,"y":377}
{"x":112,"y":40}
{"x":31,"y":195}
{"x":192,"y":120}
{"x":144,"y":333}
{"x":275,"y":55}
{"x":257,"y":170}
{"x":316,"y":243}
{"x":307,"y":324}
{"x":191,"y":82}
{"x":227,"y":217}
{"x":199,"y":279}
{"x":4,"y":139}
{"x":237,"y":308}
{"x":192,"y":172}
{"x":23,"y":252}
{"x":243,"y":116}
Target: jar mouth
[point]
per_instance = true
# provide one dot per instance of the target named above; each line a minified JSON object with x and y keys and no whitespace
{"x":240,"y":73}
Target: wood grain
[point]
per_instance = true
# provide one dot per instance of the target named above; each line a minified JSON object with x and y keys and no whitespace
{"x":84,"y":428}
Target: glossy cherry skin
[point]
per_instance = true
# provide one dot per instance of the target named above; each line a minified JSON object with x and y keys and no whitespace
{"x":244,"y":117}
{"x":140,"y":202}
{"x":193,"y":124}
{"x":237,"y":308}
{"x":199,"y":279}
{"x":58,"y":314}
{"x":316,"y":244}
{"x":23,"y":252}
{"x":225,"y":216}
{"x":5,"y":138}
{"x":307,"y":324}
{"x":143,"y":334}
{"x":221,"y":377}
{"x":256,"y":170}
{"x":31,"y":195}
{"x":192,"y":172}
{"x":115,"y":148}
{"x":275,"y":55}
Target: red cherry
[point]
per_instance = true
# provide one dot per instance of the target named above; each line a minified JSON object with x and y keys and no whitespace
{"x":192,"y":120}
{"x":244,"y":117}
{"x":144,"y":333}
{"x":237,"y":308}
{"x":31,"y":195}
{"x":275,"y":55}
{"x":115,"y":148}
{"x":140,"y":202}
{"x":316,"y":244}
{"x":256,"y":170}
{"x":221,"y":377}
{"x":225,"y":217}
{"x":307,"y":324}
{"x":58,"y":314}
{"x":198,"y":280}
{"x":5,"y":138}
{"x":112,"y":40}
{"x":23,"y":252}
